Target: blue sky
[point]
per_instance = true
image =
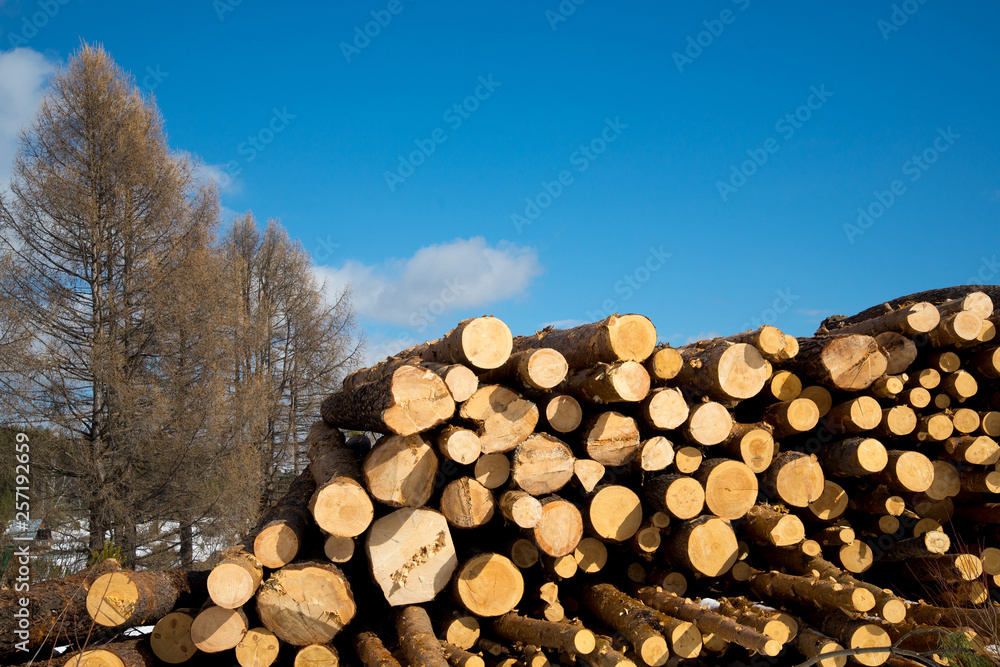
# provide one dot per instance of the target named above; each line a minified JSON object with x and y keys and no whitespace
{"x":701,"y":163}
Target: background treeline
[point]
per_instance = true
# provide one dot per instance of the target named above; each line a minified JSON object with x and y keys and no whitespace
{"x":168,"y":363}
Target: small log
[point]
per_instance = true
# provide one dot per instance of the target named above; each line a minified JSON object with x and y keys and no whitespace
{"x":679,"y":496}
{"x":537,"y":369}
{"x":120,"y":653}
{"x":899,"y":351}
{"x":722,"y":370}
{"x":615,"y":338}
{"x":879,"y":500}
{"x":258,"y":648}
{"x":482,"y":343}
{"x":856,"y":557}
{"x":966,"y":421}
{"x":961,"y":327}
{"x":664,"y":363}
{"x":687,"y":460}
{"x":466,"y":503}
{"x":916,"y":318}
{"x":791,"y":417}
{"x":317,"y":655}
{"x":488,"y":584}
{"x":947,"y":482}
{"x":492,"y":470}
{"x":560,"y":529}
{"x":629,"y":617}
{"x":770,"y":342}
{"x":915,"y":397}
{"x":854,"y":457}
{"x":655,"y":454}
{"x":605,"y":655}
{"x":853,"y":634}
{"x":768,"y":621}
{"x":458,"y":444}
{"x":542,"y":464}
{"x":127,"y":599}
{"x":400,"y":471}
{"x":340,"y":505}
{"x":560,"y":636}
{"x":170,"y":640}
{"x":216,"y":629}
{"x":338,"y":549}
{"x":906,"y":471}
{"x":614,"y":513}
{"x":730,"y":487}
{"x":619,"y":382}
{"x":795,"y":478}
{"x":502,"y":417}
{"x":372,"y":652}
{"x":524,"y":553}
{"x":417,"y":640}
{"x":459,"y":629}
{"x":960,"y":385}
{"x":784,"y":386}
{"x":562,"y":414}
{"x":990,"y":423}
{"x":849,"y":362}
{"x":706,"y":545}
{"x":664,"y":409}
{"x":591,"y":555}
{"x":458,"y":657}
{"x":897,"y":421}
{"x":888,"y":386}
{"x":822,"y":593}
{"x":981,"y":481}
{"x":708,"y":424}
{"x":928,"y":378}
{"x":521,"y":508}
{"x":947,"y":567}
{"x":814,"y":645}
{"x":461,"y":380}
{"x":751,"y":443}
{"x":986,"y":362}
{"x":976,"y":450}
{"x":830,"y":505}
{"x":232,"y":582}
{"x":306,"y":603}
{"x":406,"y":400}
{"x":411,"y":555}
{"x":820,"y":396}
{"x":854,"y":416}
{"x":930,"y":543}
{"x":611,"y":438}
{"x":766,"y":526}
{"x":836,"y":535}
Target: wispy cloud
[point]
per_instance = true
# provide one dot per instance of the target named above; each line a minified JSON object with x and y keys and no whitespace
{"x":812,"y":312}
{"x":216,"y":173}
{"x":704,"y":335}
{"x":23,"y":73}
{"x":414,"y":291}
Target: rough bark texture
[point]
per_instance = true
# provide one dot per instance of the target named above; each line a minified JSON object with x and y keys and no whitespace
{"x":615,"y":338}
{"x":416,"y":638}
{"x":849,"y":362}
{"x":127,"y":599}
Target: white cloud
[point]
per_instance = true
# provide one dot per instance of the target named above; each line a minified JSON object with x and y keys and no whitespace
{"x":216,"y":173}
{"x":23,"y":73}
{"x":417,"y":290}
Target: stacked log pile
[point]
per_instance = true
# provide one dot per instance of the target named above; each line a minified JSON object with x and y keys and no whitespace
{"x":591,"y":497}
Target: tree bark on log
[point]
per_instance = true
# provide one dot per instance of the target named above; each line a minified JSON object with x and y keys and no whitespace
{"x":934,"y":296}
{"x":119,"y":653}
{"x":854,"y":457}
{"x":629,"y":617}
{"x":619,"y":382}
{"x":372,"y":652}
{"x":407,"y":400}
{"x":416,"y":638}
{"x":538,"y":369}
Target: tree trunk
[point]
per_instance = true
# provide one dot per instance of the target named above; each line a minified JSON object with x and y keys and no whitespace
{"x":372,"y":651}
{"x":120,"y":653}
{"x":546,"y":634}
{"x":458,"y":444}
{"x":722,"y":370}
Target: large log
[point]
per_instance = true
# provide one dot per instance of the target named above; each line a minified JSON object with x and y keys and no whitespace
{"x":611,"y":438}
{"x":466,"y":503}
{"x":216,"y":629}
{"x":127,"y":599}
{"x":706,"y":545}
{"x":502,"y":417}
{"x":560,"y":528}
{"x":849,"y":362}
{"x":915,"y":318}
{"x":822,"y":593}
{"x":411,"y":555}
{"x":934,"y":296}
{"x":170,"y":639}
{"x":795,"y":478}
{"x":56,"y":612}
{"x":907,"y":471}
{"x":133,"y":652}
{"x":615,"y":338}
{"x":258,"y":648}
{"x":482,"y":343}
{"x":680,"y":496}
{"x":306,"y":603}
{"x":730,"y":487}
{"x":708,"y":424}
{"x":751,"y":443}
{"x":614,"y":513}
